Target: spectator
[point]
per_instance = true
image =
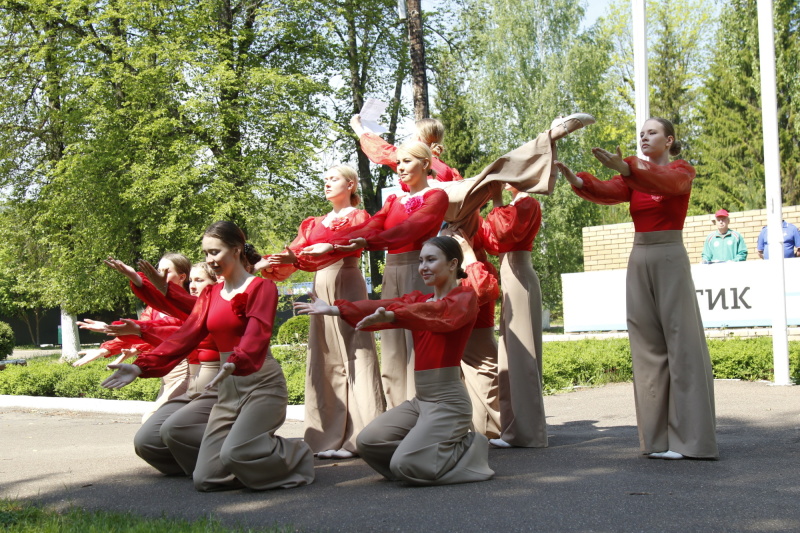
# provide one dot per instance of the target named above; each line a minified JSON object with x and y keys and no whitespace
{"x":791,"y":241}
{"x":724,"y":244}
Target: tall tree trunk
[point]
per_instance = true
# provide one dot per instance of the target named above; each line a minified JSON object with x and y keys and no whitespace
{"x":70,"y":342}
{"x":417,"y":47}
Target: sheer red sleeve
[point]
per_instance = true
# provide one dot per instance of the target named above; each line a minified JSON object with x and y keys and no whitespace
{"x":354,"y":312}
{"x":154,"y":332}
{"x":512,"y":223}
{"x":613,"y":191}
{"x":456,"y":310}
{"x":370,"y":226}
{"x":673,"y":179}
{"x":177,"y":302}
{"x":482,"y":282}
{"x":421,"y":221}
{"x":159,"y":361}
{"x":312,"y":264}
{"x":379,"y":151}
{"x":115,"y":346}
{"x":249,"y":354}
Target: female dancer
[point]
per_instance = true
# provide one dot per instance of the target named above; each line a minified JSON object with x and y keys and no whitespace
{"x":401,"y":226}
{"x":343,"y":383}
{"x":175,"y":268}
{"x":429,"y":131}
{"x":672,"y":376}
{"x":239,"y":448}
{"x":509,"y":231}
{"x":170,"y":439}
{"x":425,"y":440}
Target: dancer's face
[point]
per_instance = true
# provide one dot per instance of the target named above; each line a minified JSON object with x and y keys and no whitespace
{"x":165,"y":266}
{"x":336,"y":186}
{"x":653,"y":139}
{"x":434,"y":267}
{"x":199,"y":281}
{"x":220,"y":257}
{"x":411,"y":170}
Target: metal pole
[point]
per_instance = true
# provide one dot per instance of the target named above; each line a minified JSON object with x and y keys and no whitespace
{"x":641,"y":79}
{"x":772,"y":177}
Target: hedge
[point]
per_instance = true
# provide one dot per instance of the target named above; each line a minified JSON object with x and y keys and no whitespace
{"x":566,"y":364}
{"x":7,"y":340}
{"x":294,"y":330}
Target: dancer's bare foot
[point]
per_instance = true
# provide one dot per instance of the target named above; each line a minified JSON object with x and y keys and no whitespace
{"x":563,"y":126}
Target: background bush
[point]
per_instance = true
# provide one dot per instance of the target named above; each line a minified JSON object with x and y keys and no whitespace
{"x":293,"y":331}
{"x":566,"y":364}
{"x":7,"y":340}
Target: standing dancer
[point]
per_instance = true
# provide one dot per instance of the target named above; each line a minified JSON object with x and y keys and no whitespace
{"x":239,"y":447}
{"x":425,"y":440}
{"x":429,"y":131}
{"x":343,"y":380}
{"x":672,"y":375}
{"x":509,"y":231}
{"x":401,"y":226}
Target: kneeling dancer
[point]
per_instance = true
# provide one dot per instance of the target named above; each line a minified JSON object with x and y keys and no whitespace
{"x":425,"y":440}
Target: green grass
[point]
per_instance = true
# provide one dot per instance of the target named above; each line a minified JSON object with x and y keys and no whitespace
{"x":24,"y":518}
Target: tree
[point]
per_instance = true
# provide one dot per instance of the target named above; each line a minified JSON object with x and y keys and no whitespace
{"x":730,"y":145}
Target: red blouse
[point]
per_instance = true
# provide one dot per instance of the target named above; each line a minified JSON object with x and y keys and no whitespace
{"x":177,"y":302}
{"x":125,"y":342}
{"x":658,"y":194}
{"x":485,"y":309}
{"x":401,"y":227}
{"x":312,"y":231}
{"x":440,"y":329}
{"x":382,"y":153}
{"x":242,"y":325}
{"x":513,"y":227}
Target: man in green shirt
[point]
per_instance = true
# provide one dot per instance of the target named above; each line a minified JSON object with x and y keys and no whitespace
{"x":724,"y":244}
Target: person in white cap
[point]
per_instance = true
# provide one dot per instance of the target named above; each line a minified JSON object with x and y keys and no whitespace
{"x":724,"y":244}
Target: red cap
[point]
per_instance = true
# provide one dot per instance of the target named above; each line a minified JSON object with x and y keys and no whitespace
{"x":720,"y":213}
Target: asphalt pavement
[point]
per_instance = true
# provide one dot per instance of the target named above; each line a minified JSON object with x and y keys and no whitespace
{"x":591,"y":478}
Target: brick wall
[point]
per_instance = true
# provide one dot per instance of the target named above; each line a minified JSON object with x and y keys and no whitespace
{"x":607,"y":247}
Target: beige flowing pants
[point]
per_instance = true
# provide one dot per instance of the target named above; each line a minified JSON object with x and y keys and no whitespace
{"x":401,"y":276}
{"x":170,"y":439}
{"x":479,"y":367}
{"x":343,"y":380}
{"x":239,"y":447}
{"x":672,"y":376}
{"x":528,"y":168}
{"x":426,"y":440}
{"x":173,"y":385}
{"x":520,"y":355}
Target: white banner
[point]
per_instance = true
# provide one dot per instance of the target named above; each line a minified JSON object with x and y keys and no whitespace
{"x":729,"y":295}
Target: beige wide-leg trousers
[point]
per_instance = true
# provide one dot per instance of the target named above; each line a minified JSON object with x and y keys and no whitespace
{"x":173,"y":385}
{"x":520,"y":353}
{"x":426,"y":440}
{"x":479,"y":366}
{"x":528,"y":168}
{"x":672,"y":376}
{"x":170,"y":439}
{"x":240,"y":448}
{"x":401,"y":276}
{"x":343,"y":380}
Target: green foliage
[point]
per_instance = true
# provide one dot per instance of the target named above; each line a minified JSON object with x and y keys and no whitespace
{"x":750,"y":359}
{"x":47,"y":377}
{"x":7,"y":340}
{"x":294,"y":330}
{"x":293,"y":362}
{"x":586,"y":362}
{"x":25,"y":518}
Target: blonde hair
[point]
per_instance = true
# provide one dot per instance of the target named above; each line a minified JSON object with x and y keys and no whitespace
{"x":350,"y":175}
{"x":419,"y":150}
{"x":431,"y":132}
{"x":205,"y":267}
